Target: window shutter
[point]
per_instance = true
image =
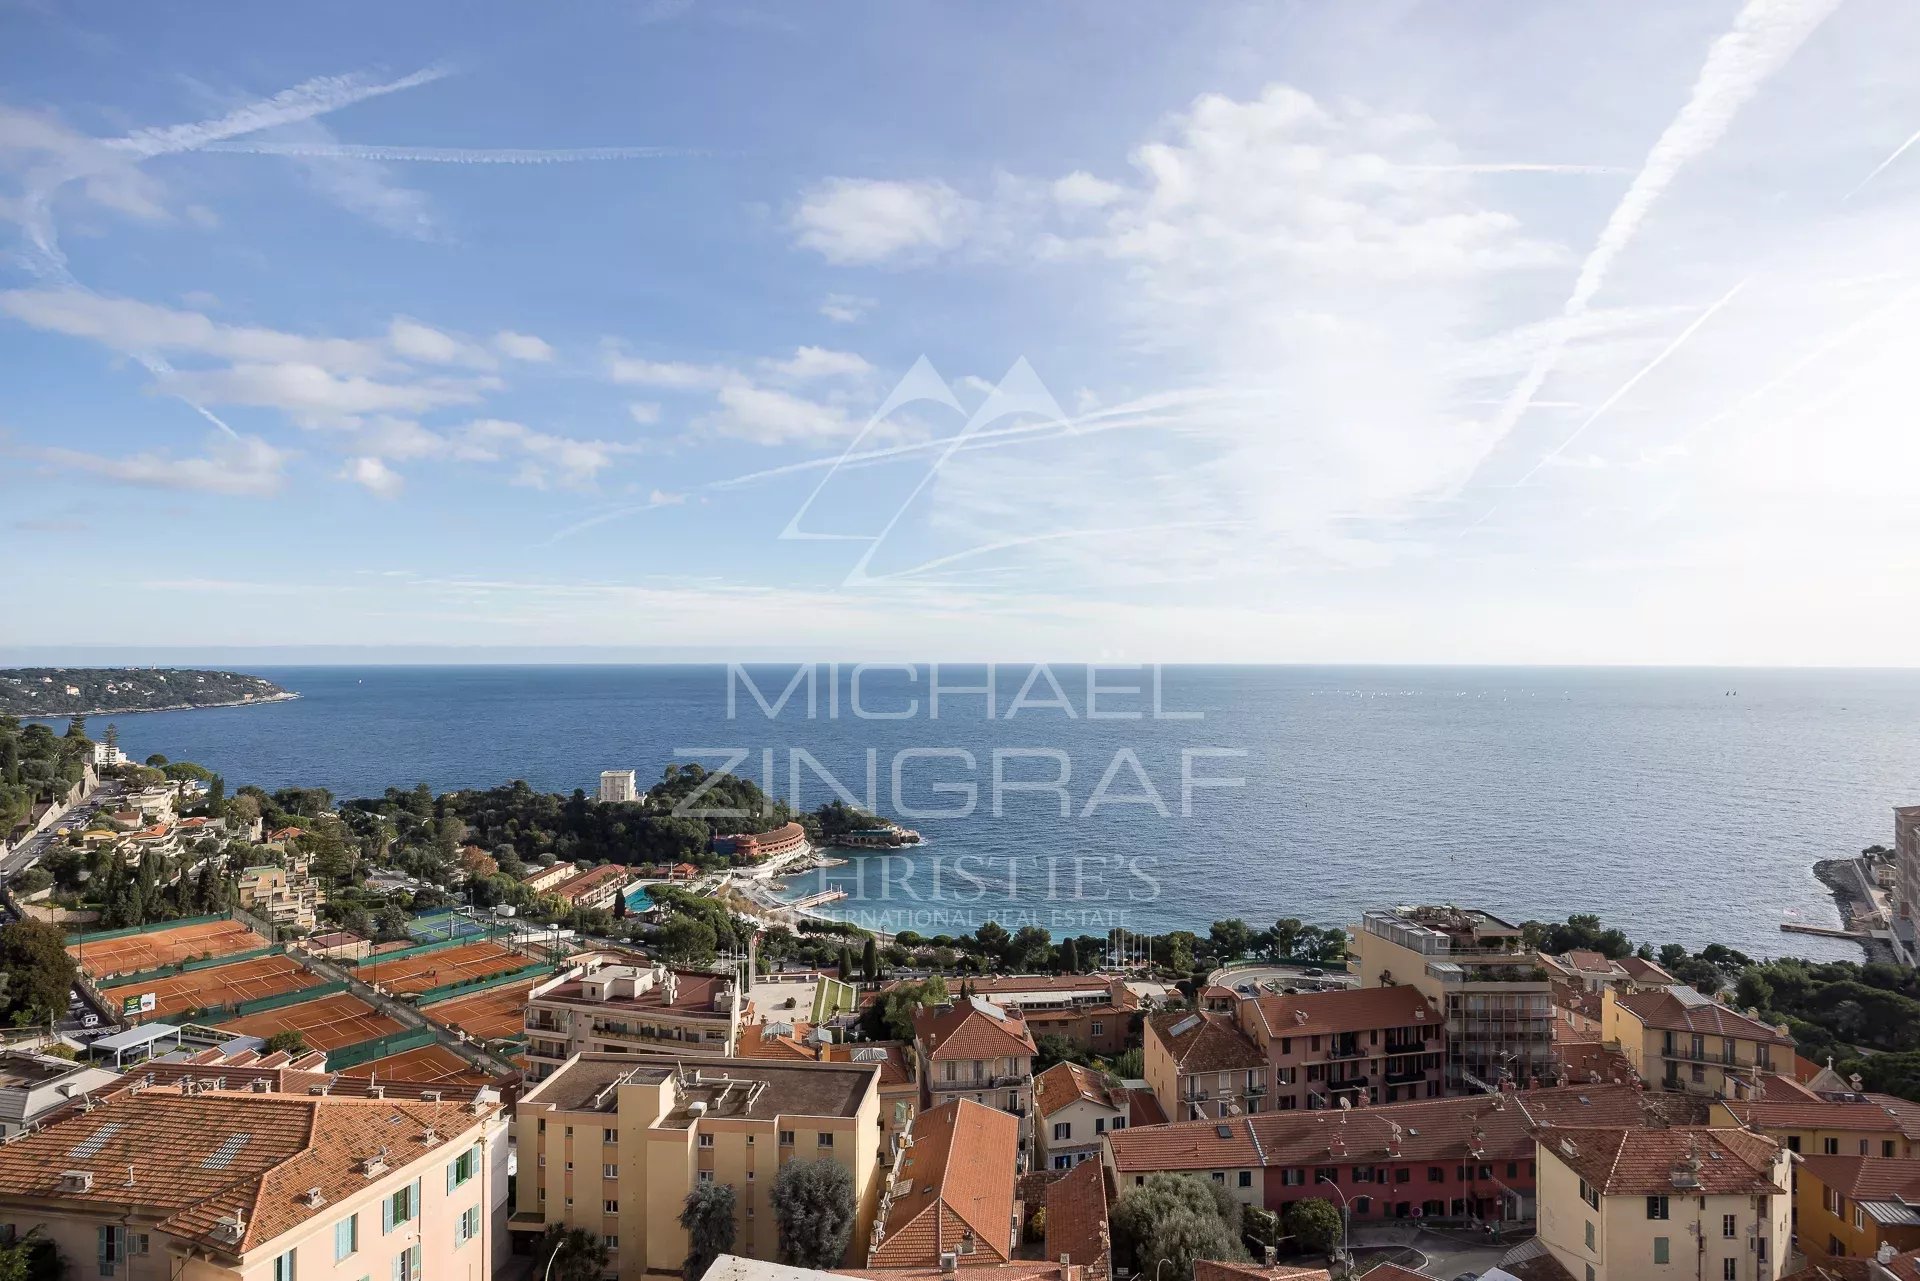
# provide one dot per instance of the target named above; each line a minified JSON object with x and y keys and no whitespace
{"x":453,"y":1176}
{"x":386,"y":1216}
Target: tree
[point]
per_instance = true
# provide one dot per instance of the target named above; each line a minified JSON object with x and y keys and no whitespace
{"x":571,"y":1254}
{"x":1314,"y":1224}
{"x":813,"y":1206}
{"x":708,"y":1219}
{"x":1230,"y":939}
{"x":1175,"y":1219}
{"x":37,"y":970}
{"x":870,"y":960}
{"x":287,"y":1041}
{"x":1053,"y":1048}
{"x":1070,"y":957}
{"x":687,"y":938}
{"x":891,"y":1018}
{"x":31,"y":1257}
{"x":845,"y":964}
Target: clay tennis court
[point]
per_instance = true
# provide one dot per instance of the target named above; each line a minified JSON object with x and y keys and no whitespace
{"x":217,"y":985}
{"x":327,"y":1023}
{"x":486,"y":1016}
{"x":428,"y":1065}
{"x":134,"y":953}
{"x":411,"y":974}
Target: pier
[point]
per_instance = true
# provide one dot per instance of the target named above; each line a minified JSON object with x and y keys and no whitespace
{"x":815,"y":900}
{"x":1826,"y":932}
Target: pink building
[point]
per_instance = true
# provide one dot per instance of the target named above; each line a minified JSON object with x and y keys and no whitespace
{"x":1366,"y":1045}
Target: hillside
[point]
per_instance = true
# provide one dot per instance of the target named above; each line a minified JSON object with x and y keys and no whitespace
{"x":103,"y":691}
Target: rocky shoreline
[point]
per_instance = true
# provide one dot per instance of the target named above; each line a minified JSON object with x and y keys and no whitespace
{"x":282,"y":697}
{"x":1841,"y":878}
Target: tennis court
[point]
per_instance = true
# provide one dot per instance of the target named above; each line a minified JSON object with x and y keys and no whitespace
{"x":328,"y":1022}
{"x":411,"y":974}
{"x":216,"y":986}
{"x":486,"y":1016}
{"x":134,"y":953}
{"x":434,"y":926}
{"x":426,"y":1065}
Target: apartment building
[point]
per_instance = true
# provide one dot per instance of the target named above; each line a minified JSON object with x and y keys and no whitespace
{"x":1852,"y":1206}
{"x":607,"y":1005}
{"x":617,"y":787}
{"x":612,"y":1144}
{"x":185,"y":1182}
{"x":1906,"y":882}
{"x":794,"y":1043}
{"x":594,"y":889}
{"x":31,"y":1086}
{"x":1878,"y":1125}
{"x":974,"y":1049}
{"x":1087,"y":1011}
{"x":1494,"y":997}
{"x":1619,"y":1204}
{"x":1467,"y":1158}
{"x":1586,"y":971}
{"x":952,"y":1192}
{"x":543,"y":880}
{"x":1202,"y":1065}
{"x":1361,"y":1045}
{"x":1073,"y":1109}
{"x":1678,"y":1039}
{"x":289,"y":896}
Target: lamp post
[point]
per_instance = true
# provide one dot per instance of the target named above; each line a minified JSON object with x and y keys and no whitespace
{"x":1346,"y":1216}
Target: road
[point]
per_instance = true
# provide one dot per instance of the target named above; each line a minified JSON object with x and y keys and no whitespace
{"x":31,"y":849}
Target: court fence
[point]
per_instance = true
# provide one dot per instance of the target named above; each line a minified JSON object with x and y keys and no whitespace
{"x":194,"y":963}
{"x":154,"y":927}
{"x":467,"y":987}
{"x":379,"y":1048}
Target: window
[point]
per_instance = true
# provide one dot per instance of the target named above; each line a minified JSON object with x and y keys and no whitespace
{"x":1859,"y":1216}
{"x":283,"y":1267}
{"x":609,"y":1171}
{"x":826,"y":1139}
{"x":1729,"y":1226}
{"x":1246,"y":1178}
{"x":1062,"y":1130}
{"x":1589,"y":1234}
{"x":1325,"y":1175}
{"x":468,"y":1227}
{"x":463,"y":1167}
{"x":117,"y":1243}
{"x":402,"y":1207}
{"x":1100,"y":1125}
{"x":1863,"y":1147}
{"x":1656,"y":1206}
{"x":346,"y":1237}
{"x":1730,"y":1270}
{"x":1436,"y":1174}
{"x":1591,"y":1197}
{"x":1830,"y":1146}
{"x":786,"y":1138}
{"x":613,"y":1242}
{"x":1097,"y":1028}
{"x":1886,"y":1147}
{"x":706,"y":1140}
{"x":1793,"y":1143}
{"x":706,"y":1176}
{"x":1218,"y":1177}
{"x":406,"y":1264}
{"x":1063,"y":1162}
{"x":610,"y":1207}
{"x":1292,"y":1178}
{"x":609,"y":1136}
{"x":1660,"y":1251}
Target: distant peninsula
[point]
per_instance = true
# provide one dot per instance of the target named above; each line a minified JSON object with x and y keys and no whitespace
{"x":111,"y":691}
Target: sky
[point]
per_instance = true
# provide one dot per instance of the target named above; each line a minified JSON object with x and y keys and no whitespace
{"x":1372,"y":332}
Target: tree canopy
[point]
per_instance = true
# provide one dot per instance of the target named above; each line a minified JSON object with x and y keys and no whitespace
{"x":814,"y":1208}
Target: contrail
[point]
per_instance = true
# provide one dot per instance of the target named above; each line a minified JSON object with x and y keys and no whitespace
{"x":310,"y":98}
{"x":1764,"y":37}
{"x":447,"y":155}
{"x":1898,"y":151}
{"x":1634,"y":381}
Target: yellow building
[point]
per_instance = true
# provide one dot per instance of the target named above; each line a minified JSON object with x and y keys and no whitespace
{"x":1641,"y":1205}
{"x":1679,"y":1040}
{"x":1853,"y":1125}
{"x":616,"y":1003}
{"x":1493,"y":992}
{"x":185,"y":1182}
{"x":1849,"y":1206}
{"x":612,"y":1143}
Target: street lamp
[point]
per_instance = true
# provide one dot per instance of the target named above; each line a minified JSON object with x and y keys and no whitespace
{"x":1346,"y":1215}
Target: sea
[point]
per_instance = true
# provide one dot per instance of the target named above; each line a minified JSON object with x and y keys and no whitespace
{"x":1684,"y":805}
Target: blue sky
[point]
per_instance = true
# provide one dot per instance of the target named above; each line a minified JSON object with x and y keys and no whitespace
{"x":1369,"y":332}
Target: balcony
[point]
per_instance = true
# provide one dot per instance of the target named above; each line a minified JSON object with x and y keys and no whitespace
{"x":1256,"y":1091}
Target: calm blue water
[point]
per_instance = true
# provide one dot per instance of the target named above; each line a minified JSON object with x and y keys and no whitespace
{"x":1656,"y":797}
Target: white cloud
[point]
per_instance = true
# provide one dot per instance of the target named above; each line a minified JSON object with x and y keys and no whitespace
{"x":423,"y":343}
{"x":670,"y":375}
{"x":244,"y":466}
{"x":1081,"y":190}
{"x":644,"y":412}
{"x":768,"y":416}
{"x":312,"y":392}
{"x":373,"y":474}
{"x":522,"y":347}
{"x":819,"y":362}
{"x":845,"y":309}
{"x":127,"y":325}
{"x":544,"y":459}
{"x":859,"y":221}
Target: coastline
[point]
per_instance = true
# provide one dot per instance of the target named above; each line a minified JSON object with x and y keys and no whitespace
{"x":284,"y":696}
{"x":1840,"y":877}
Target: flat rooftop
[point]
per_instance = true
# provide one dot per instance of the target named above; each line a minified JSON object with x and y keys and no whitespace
{"x":750,"y":1089}
{"x":24,"y":1071}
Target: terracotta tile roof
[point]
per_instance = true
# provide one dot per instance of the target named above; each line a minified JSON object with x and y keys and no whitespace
{"x":1872,"y":1113}
{"x":1696,"y":1013}
{"x":1143,"y":1107}
{"x":197,"y":1158}
{"x":760,"y":1041}
{"x":956,"y":1178}
{"x":1077,"y":1220}
{"x":1641,"y":970}
{"x":1592,"y":1062}
{"x":968,"y":1030}
{"x":1905,"y":1267}
{"x":1592,"y":962}
{"x":1215,"y":1270}
{"x":578,"y":887}
{"x":1349,"y":1010}
{"x":1532,"y":1261}
{"x":1634,"y":1162}
{"x":1867,"y":1178}
{"x":1428,"y":1129}
{"x":1834,"y":1270}
{"x":1064,"y":1084}
{"x":1205,"y":1045}
{"x":893,"y":1068}
{"x":1017,"y":1270}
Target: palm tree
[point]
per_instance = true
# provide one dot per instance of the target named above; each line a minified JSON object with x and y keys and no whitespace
{"x":572,"y":1254}
{"x":708,"y":1219}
